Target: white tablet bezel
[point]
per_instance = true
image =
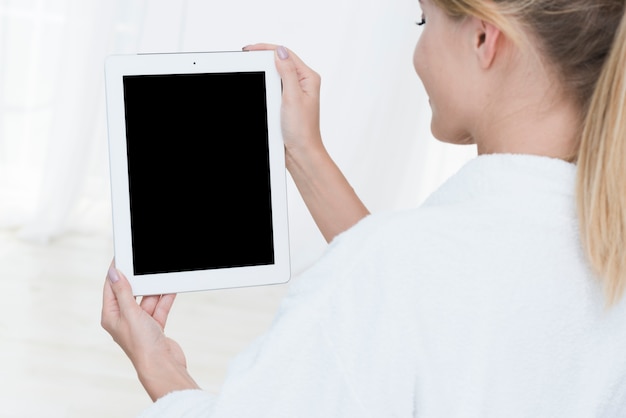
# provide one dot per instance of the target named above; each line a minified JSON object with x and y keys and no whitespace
{"x":118,"y":66}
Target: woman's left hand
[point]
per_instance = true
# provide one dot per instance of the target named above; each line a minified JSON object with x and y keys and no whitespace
{"x":139,"y":330}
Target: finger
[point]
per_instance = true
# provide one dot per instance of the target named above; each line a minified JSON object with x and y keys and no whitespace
{"x":163,"y":308}
{"x":296,"y":76}
{"x":259,"y":47}
{"x":282,"y":53}
{"x":149,"y":303}
{"x":110,"y":309}
{"x":121,"y":289}
{"x":293,"y":71}
{"x":274,"y":47}
{"x":287,"y":68}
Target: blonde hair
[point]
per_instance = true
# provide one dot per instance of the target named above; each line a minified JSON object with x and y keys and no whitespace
{"x":587,"y":47}
{"x":602,"y":173}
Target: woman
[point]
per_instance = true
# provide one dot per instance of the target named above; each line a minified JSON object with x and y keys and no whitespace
{"x":501,"y":296}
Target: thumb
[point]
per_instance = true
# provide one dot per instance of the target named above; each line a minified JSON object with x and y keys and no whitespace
{"x":287,"y":69}
{"x":121,"y":288}
{"x":296,"y":76}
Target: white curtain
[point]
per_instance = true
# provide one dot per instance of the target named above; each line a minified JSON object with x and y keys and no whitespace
{"x":53,"y":150}
{"x":53,"y":157}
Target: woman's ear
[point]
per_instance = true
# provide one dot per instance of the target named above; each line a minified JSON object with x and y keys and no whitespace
{"x":486,"y":42}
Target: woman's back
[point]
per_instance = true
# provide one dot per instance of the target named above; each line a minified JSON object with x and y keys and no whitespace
{"x":510,"y":320}
{"x":478,"y":304}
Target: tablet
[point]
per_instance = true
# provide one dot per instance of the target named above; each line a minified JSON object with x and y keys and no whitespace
{"x":197,"y":163}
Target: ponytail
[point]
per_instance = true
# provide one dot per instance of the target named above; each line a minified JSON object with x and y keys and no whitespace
{"x":601,"y":179}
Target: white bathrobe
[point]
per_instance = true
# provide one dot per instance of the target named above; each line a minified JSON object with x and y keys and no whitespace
{"x":477,"y":304}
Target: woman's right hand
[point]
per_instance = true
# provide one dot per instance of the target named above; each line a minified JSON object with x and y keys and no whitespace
{"x":300,"y":110}
{"x":329,"y":197}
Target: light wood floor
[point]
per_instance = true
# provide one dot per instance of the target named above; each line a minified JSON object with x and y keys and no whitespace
{"x":56,"y":360}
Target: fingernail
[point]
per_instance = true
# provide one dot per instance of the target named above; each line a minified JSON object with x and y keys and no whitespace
{"x":282,"y":52}
{"x":245,"y":47}
{"x":113,"y":276}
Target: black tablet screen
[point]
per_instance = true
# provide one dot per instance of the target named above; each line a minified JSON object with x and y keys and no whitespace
{"x":198,"y":168}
